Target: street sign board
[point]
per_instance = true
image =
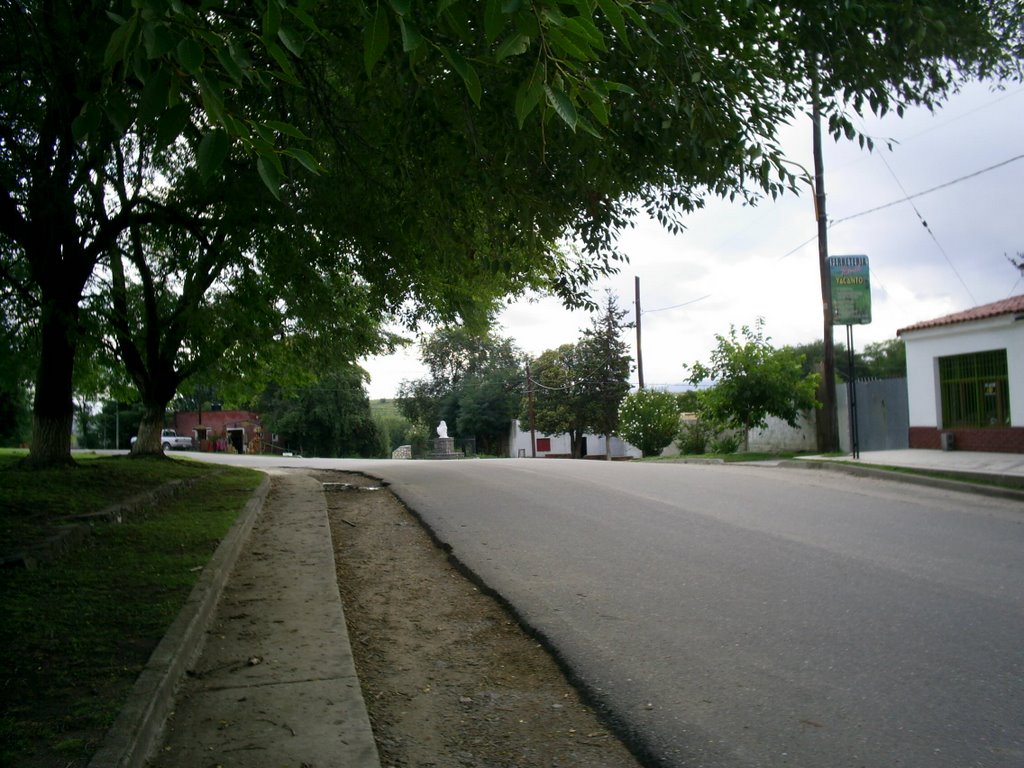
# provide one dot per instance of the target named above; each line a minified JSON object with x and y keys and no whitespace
{"x":851,"y":290}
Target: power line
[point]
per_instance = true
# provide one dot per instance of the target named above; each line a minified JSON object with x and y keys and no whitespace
{"x":834,"y":222}
{"x":927,"y":191}
{"x":924,"y":223}
{"x":676,"y":306}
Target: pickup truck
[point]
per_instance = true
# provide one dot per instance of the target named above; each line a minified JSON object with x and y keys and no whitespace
{"x":170,"y":439}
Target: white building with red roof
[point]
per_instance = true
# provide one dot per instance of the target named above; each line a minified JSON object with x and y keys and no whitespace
{"x":965,"y":379}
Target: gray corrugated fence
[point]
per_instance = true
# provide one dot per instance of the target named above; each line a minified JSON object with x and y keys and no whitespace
{"x":883,"y":415}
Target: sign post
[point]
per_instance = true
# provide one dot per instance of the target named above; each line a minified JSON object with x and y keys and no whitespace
{"x":851,"y":305}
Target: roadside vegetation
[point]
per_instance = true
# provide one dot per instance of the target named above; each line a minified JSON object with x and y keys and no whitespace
{"x":77,"y":631}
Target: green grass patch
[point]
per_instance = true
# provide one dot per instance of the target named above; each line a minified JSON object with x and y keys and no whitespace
{"x":729,"y":457}
{"x":32,"y":501}
{"x":755,"y":456}
{"x":76,"y":632}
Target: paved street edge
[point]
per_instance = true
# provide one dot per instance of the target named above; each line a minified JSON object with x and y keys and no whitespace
{"x":138,"y":727}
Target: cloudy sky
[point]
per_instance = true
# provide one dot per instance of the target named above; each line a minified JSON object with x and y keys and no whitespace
{"x":734,"y":264}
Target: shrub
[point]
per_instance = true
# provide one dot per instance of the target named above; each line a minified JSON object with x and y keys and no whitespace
{"x":726,"y":442}
{"x":693,"y":437}
{"x":649,"y":419}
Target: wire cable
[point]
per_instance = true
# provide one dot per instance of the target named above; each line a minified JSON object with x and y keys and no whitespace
{"x":927,"y":191}
{"x":674,"y":306}
{"x":835,"y":222}
{"x":924,"y":223}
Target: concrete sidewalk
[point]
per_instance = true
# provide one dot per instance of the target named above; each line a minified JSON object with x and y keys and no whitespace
{"x":964,"y":462}
{"x":1006,"y":469}
{"x":274,"y":683}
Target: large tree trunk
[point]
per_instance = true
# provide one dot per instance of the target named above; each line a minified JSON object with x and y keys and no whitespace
{"x":148,"y":442}
{"x":154,"y":409}
{"x":53,"y":410}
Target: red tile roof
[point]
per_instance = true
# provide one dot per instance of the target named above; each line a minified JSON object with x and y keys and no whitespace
{"x":1008,"y":306}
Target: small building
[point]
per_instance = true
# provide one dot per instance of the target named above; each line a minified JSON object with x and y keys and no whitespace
{"x":558,"y":446}
{"x":965,"y":379}
{"x":216,"y":430}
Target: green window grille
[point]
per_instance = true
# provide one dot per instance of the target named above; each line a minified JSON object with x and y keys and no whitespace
{"x":975,"y":391}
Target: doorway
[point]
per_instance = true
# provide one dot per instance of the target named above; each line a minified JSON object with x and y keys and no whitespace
{"x":236,"y":438}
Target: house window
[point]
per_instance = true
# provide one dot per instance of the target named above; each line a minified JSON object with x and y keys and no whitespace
{"x":544,"y":444}
{"x":975,"y":391}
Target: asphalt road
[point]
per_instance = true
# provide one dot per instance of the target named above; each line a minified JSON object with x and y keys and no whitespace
{"x":735,"y":616}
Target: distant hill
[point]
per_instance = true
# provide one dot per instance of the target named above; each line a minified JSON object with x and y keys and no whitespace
{"x":385,"y":407}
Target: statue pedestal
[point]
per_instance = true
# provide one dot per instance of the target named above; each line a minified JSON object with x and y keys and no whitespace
{"x":444,"y":448}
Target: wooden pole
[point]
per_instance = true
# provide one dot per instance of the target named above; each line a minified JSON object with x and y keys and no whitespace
{"x":828,"y":419}
{"x":533,"y":429}
{"x":639,"y":350}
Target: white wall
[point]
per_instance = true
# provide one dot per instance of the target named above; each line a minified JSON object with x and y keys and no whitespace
{"x":779,"y":436}
{"x":519,"y":440}
{"x":927,"y":345}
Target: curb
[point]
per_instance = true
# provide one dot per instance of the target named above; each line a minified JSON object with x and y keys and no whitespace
{"x":912,"y":478}
{"x":135,"y":733}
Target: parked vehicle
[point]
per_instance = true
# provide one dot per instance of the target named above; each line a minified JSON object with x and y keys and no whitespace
{"x":170,"y":440}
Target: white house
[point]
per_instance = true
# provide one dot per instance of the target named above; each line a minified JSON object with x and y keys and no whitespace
{"x":558,"y":445}
{"x":965,"y":379}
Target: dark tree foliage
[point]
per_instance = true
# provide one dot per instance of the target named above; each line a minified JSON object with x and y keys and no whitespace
{"x":329,"y":417}
{"x":879,"y":360}
{"x":607,"y":362}
{"x":474,"y":383}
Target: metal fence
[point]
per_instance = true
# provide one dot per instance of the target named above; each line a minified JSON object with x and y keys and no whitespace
{"x":883,"y":415}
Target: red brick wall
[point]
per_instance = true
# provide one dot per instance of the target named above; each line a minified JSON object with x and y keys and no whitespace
{"x":215,"y":421}
{"x":1001,"y":440}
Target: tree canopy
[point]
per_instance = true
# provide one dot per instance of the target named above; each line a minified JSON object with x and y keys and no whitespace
{"x":474,"y":383}
{"x":878,"y":360}
{"x":561,"y":403}
{"x":328,"y":417}
{"x":577,"y":388}
{"x":751,"y":380}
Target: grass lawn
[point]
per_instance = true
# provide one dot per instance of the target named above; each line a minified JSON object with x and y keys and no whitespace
{"x":76,"y":632}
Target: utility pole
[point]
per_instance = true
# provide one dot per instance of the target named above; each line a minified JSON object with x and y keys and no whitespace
{"x":828,"y":419}
{"x":533,"y":429}
{"x":639,"y":352}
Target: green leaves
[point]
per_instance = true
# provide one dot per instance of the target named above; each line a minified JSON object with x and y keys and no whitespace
{"x":567,"y":38}
{"x":467,"y":73}
{"x":189,"y":63}
{"x":212,"y":150}
{"x":753,"y":380}
{"x":528,"y":97}
{"x":512,"y":46}
{"x":494,"y":20}
{"x":375,"y":39}
{"x":190,"y":55}
{"x":563,"y":106}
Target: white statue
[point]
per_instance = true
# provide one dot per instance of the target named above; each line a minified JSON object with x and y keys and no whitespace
{"x":442,"y":430}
